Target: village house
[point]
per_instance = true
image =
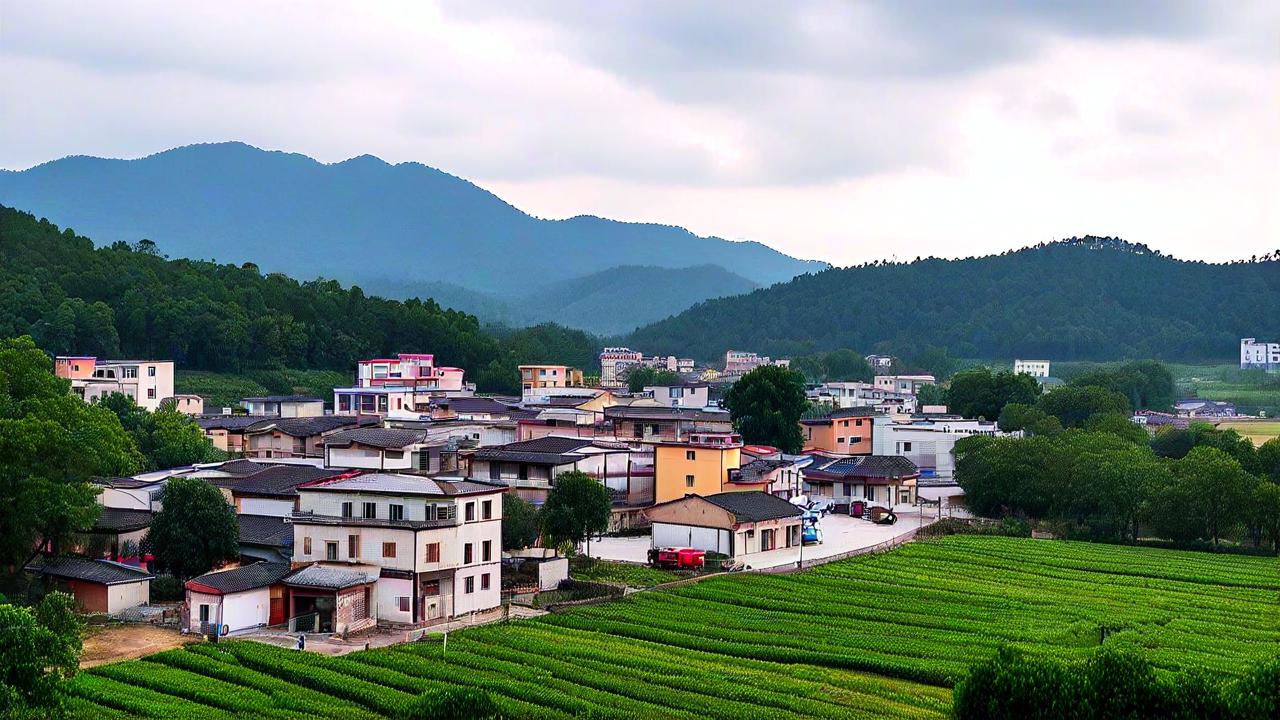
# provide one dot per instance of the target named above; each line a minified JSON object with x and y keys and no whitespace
{"x":927,"y":441}
{"x":117,"y":534}
{"x":403,"y":386}
{"x":273,"y":490}
{"x":661,"y":424}
{"x":530,"y":466}
{"x":704,"y":464}
{"x":148,"y":382}
{"x":879,"y":362}
{"x":265,"y":538}
{"x":685,"y":395}
{"x":187,"y":404}
{"x":535,"y":380}
{"x":873,"y":479}
{"x":906,"y":384}
{"x":861,"y":394}
{"x":300,"y":437}
{"x":379,"y":448}
{"x":392,"y":548}
{"x":285,"y":406}
{"x":736,"y":524}
{"x":1034,"y":368}
{"x":98,"y":586}
{"x":226,"y":432}
{"x":614,"y":364}
{"x":236,"y":600}
{"x":845,"y":431}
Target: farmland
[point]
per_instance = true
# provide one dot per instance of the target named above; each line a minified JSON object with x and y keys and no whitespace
{"x":881,"y":636}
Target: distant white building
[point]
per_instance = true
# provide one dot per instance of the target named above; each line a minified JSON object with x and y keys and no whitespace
{"x":1254,"y":354}
{"x":614,"y":362}
{"x":148,"y":382}
{"x":1034,"y":368}
{"x":688,"y":395}
{"x":879,"y":362}
{"x":906,"y":384}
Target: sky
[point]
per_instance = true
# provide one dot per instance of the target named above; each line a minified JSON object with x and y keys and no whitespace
{"x":838,"y":131}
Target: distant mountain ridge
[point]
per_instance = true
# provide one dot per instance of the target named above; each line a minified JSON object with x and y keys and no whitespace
{"x":356,"y":221}
{"x":1088,"y":298}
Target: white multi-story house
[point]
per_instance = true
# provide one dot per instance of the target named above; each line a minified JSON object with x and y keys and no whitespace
{"x":859,"y":394}
{"x":148,"y":382}
{"x":927,"y":442}
{"x":906,"y":384}
{"x":1254,"y":354}
{"x":685,"y":395}
{"x":404,"y":386}
{"x":1034,"y":368}
{"x":407,"y":549}
{"x":614,"y":363}
{"x":285,"y":406}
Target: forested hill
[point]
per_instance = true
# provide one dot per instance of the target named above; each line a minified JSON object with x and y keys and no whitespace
{"x":1080,"y":299}
{"x":359,"y":220}
{"x":128,"y":300}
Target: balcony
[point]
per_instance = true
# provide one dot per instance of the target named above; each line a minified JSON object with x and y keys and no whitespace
{"x":311,"y":518}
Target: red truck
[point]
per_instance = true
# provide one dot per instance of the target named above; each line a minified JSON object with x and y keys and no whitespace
{"x":674,"y":558}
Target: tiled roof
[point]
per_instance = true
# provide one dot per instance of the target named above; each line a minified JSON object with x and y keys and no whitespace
{"x":548,"y":450}
{"x":242,"y":467}
{"x":330,"y":578}
{"x":755,"y":470}
{"x":265,"y":531}
{"x":378,"y":437}
{"x":629,"y":412}
{"x":103,"y":572}
{"x":248,"y":577}
{"x":276,"y":480}
{"x":398,"y":484}
{"x":120,"y":520}
{"x":754,"y":506}
{"x":841,"y":413}
{"x":549,"y":444}
{"x":306,"y":426}
{"x":863,"y":466}
{"x":229,"y":422}
{"x":475,"y":405}
{"x":128,"y":483}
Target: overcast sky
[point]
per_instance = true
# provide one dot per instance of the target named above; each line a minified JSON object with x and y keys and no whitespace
{"x":839,"y":131}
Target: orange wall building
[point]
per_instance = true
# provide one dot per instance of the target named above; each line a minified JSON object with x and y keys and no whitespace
{"x":700,"y":466}
{"x":844,"y":432}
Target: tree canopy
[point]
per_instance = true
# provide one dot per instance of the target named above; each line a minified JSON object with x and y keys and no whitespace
{"x":51,"y":445}
{"x":520,"y":522}
{"x":39,"y":648}
{"x":577,"y":507}
{"x":765,"y":406}
{"x":166,"y":438}
{"x":983,"y":392}
{"x":196,"y":530}
{"x":641,"y":376}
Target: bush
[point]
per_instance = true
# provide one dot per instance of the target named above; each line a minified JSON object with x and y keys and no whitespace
{"x":1013,"y":686}
{"x":166,"y":588}
{"x":1257,"y":694}
{"x":458,"y":703}
{"x":1007,"y":527}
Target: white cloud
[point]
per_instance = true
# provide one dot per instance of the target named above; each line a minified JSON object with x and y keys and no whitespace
{"x":842,"y":131}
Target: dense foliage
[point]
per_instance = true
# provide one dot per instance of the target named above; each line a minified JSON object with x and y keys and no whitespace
{"x":843,"y":365}
{"x":196,"y":530}
{"x":765,"y":406}
{"x":1110,"y":684}
{"x":981,"y":392}
{"x":166,"y":438}
{"x":749,"y":646}
{"x":1080,"y":299}
{"x":521,"y":523}
{"x":128,"y":300}
{"x":577,"y":507}
{"x":39,"y":648}
{"x":1146,"y":384}
{"x":641,"y":376}
{"x":51,"y":445}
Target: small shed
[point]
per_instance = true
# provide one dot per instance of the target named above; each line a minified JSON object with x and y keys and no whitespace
{"x":242,"y":598}
{"x":99,"y":586}
{"x":736,"y":524}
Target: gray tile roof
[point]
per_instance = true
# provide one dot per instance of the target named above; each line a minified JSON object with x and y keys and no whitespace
{"x":861,"y":466}
{"x":379,"y":437}
{"x":229,"y":422}
{"x":120,"y":520}
{"x":283,"y":398}
{"x":248,"y":577}
{"x":307,"y":426}
{"x":242,"y":467}
{"x":630,"y":412}
{"x":275,"y":480}
{"x":330,"y":578}
{"x":265,"y":531}
{"x":754,"y":506}
{"x":103,"y":572}
{"x":399,"y":484}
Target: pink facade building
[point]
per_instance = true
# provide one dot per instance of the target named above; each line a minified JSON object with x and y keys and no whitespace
{"x":405,"y":384}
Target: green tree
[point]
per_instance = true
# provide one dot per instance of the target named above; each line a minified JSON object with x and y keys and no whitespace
{"x":931,"y":395}
{"x":1014,"y":686}
{"x":1073,"y":405}
{"x":641,"y":376}
{"x":1269,"y":459}
{"x":980,"y":392}
{"x":577,"y":507}
{"x":51,"y":445}
{"x":167,"y":438}
{"x":195,"y":530}
{"x":520,"y":522}
{"x":39,"y":648}
{"x":1119,"y":425}
{"x":766,"y":405}
{"x":845,"y":365}
{"x":1030,"y":420}
{"x":1145,"y":383}
{"x":1205,"y":498}
{"x":1262,"y":513}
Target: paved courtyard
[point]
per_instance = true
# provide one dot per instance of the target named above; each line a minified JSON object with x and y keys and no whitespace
{"x":840,"y":534}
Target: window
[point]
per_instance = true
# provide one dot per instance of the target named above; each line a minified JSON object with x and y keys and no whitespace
{"x":523,"y":472}
{"x":370,"y":510}
{"x":855,"y":439}
{"x":467,"y":553}
{"x":690,"y":454}
{"x":151,"y":371}
{"x":433,"y":552}
{"x":331,"y":550}
{"x":471,"y":512}
{"x":484,"y":581}
{"x":395,"y":454}
{"x":486,"y":551}
{"x":306,"y":545}
{"x":751,"y":533}
{"x":442,"y":512}
{"x":688,"y":481}
{"x":403,"y":603}
{"x":839,"y":441}
{"x":469,"y":584}
{"x":353,"y":546}
{"x":858,"y":423}
{"x":344,"y":403}
{"x":388,"y":549}
{"x":395,"y":512}
{"x":495,"y":470}
{"x":346,"y":509}
{"x":151,"y":393}
{"x":131,"y":372}
{"x":204,"y":613}
{"x":486,"y":510}
{"x":906,"y":447}
{"x":844,"y":423}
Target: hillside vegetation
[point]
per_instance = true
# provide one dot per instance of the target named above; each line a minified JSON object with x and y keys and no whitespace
{"x":758,"y":645}
{"x":128,"y":300}
{"x":1080,"y":299}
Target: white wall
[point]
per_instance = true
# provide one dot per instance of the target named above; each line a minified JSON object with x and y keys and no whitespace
{"x":127,"y":595}
{"x":251,"y":608}
{"x":266,"y":506}
{"x":464,"y":602}
{"x":701,"y":538}
{"x":388,"y":590}
{"x":130,"y":499}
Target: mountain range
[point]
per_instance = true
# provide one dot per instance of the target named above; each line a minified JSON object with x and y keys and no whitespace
{"x":396,"y":229}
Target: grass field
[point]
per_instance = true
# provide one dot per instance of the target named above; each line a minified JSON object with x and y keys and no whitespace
{"x":1252,"y":391}
{"x":878,"y":636}
{"x":226,"y":389}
